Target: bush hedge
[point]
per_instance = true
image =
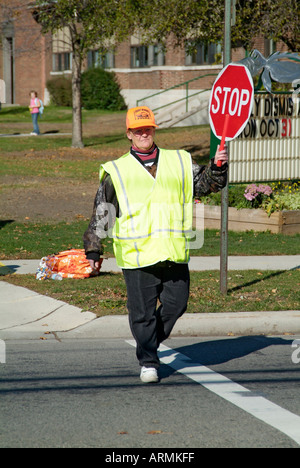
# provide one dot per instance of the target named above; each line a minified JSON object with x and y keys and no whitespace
{"x":100,"y":90}
{"x":60,"y":90}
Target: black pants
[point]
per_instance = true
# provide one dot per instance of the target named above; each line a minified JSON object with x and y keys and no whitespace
{"x":151,"y":322}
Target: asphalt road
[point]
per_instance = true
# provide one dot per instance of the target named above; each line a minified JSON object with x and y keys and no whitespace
{"x":87,"y":393}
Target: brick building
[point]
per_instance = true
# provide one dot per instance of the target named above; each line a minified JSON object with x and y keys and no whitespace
{"x":25,"y":55}
{"x":28,"y":59}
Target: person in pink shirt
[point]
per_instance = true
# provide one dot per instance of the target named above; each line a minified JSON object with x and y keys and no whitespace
{"x":34,"y":110}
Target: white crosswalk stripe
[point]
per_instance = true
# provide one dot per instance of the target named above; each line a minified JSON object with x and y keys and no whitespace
{"x":258,"y":406}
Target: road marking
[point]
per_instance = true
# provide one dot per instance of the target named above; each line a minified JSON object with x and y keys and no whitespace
{"x":258,"y":406}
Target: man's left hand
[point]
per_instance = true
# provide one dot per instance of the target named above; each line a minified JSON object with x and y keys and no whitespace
{"x":221,"y":156}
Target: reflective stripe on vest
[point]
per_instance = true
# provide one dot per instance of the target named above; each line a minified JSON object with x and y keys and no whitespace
{"x":156,"y":214}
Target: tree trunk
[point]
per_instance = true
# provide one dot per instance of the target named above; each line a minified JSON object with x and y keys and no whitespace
{"x":76,"y":103}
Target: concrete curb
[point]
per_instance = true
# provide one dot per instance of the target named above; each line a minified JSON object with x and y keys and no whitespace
{"x":219,"y":324}
{"x":25,"y":314}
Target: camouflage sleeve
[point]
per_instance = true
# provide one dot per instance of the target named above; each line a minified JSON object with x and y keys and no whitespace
{"x":105,"y":210}
{"x":209,"y":178}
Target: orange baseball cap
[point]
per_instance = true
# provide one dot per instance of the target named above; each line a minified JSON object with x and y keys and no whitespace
{"x":140,"y":116}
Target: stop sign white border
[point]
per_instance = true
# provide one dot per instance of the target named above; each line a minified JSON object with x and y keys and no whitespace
{"x":251,"y":101}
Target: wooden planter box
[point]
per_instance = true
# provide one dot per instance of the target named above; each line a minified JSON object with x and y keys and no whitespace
{"x":285,"y":222}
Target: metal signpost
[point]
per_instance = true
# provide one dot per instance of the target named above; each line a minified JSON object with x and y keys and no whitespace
{"x":229,"y":111}
{"x":230,"y":107}
{"x":224,"y":199}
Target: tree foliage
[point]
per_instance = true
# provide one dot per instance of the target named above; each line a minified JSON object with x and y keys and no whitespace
{"x":192,"y":22}
{"x":187,"y":21}
{"x":90,"y":24}
{"x":278,"y":20}
{"x":103,"y":24}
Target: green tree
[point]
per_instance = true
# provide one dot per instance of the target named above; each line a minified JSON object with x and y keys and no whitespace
{"x":106,"y":23}
{"x":187,"y":21}
{"x":90,"y":23}
{"x":203,"y":21}
{"x":272,"y":19}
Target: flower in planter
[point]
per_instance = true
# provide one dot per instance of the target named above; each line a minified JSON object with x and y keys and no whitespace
{"x":290,"y":186}
{"x":257,"y":194}
{"x":276,"y":197}
{"x":251,"y":192}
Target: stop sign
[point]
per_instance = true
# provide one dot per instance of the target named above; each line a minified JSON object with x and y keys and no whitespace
{"x":231,"y":96}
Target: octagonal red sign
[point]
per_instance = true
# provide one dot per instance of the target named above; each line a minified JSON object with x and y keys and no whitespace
{"x":232,"y":96}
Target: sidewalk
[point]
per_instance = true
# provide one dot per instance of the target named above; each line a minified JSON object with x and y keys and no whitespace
{"x":22,"y":135}
{"x":25,"y":314}
{"x":283,"y":262}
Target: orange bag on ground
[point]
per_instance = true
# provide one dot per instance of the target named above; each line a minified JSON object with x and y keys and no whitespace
{"x":68,"y":264}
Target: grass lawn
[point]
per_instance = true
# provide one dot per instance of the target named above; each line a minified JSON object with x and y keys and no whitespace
{"x":21,"y":114}
{"x":55,"y":120}
{"x":247,"y":291}
{"x":53,"y":166}
{"x":56,"y":142}
{"x":102,"y":130}
{"x":35,"y":240}
{"x":30,"y":165}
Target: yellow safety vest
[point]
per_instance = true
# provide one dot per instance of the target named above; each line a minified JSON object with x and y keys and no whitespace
{"x":156,"y":214}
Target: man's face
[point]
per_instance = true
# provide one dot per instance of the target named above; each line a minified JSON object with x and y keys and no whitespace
{"x":142,"y":137}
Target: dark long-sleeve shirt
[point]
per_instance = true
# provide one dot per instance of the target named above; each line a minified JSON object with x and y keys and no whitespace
{"x":206,"y":179}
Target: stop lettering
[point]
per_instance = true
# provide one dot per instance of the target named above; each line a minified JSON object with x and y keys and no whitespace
{"x":231,"y":98}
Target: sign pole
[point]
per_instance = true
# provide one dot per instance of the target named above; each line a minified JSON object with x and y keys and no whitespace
{"x":224,"y":196}
{"x":230,"y":106}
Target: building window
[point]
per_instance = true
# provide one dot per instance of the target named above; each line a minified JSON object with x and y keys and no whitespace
{"x":205,"y":54}
{"x":62,"y":61}
{"x":96,"y":58}
{"x":158,"y":55}
{"x":146,"y":56}
{"x":139,"y":56}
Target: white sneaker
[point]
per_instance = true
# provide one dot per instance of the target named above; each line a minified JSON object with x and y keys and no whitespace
{"x":149,"y":375}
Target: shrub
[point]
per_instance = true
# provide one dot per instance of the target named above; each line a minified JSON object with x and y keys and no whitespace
{"x":235,"y":197}
{"x":279,"y":196}
{"x":60,"y":90}
{"x":100,"y":90}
